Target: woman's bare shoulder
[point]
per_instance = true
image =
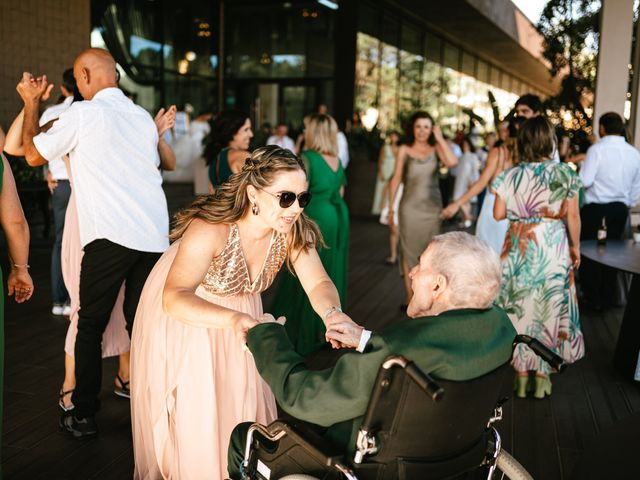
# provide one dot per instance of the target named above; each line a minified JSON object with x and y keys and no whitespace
{"x":236,"y":159}
{"x":206,"y":236}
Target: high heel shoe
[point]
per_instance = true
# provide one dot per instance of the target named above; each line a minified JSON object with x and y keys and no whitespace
{"x":61,"y":404}
{"x":122,"y":390}
{"x":521,"y":385}
{"x":543,"y":387}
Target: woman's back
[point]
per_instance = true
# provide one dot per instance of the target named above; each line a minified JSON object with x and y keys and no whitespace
{"x":536,"y":190}
{"x":325,"y":183}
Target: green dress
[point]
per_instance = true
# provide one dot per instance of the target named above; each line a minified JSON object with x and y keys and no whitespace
{"x":538,"y":289}
{"x":327,"y":208}
{"x":219,"y":169}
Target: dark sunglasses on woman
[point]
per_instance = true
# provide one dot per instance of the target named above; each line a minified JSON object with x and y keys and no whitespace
{"x":287,"y":198}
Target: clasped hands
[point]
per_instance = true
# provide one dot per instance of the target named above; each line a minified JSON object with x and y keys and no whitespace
{"x":34,"y":89}
{"x":341,"y":330}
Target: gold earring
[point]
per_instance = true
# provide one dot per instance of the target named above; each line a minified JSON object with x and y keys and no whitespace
{"x":254,"y":209}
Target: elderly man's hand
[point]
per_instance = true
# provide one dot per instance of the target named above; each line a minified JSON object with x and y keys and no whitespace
{"x":32,"y":89}
{"x":344,"y":333}
{"x":268,"y":318}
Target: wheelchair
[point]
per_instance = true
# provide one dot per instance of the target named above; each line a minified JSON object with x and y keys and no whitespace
{"x":415,"y":427}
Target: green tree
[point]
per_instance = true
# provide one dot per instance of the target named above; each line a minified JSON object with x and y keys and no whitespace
{"x":570,"y":29}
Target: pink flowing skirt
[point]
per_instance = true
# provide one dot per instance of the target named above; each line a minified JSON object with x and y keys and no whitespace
{"x":190,"y":386}
{"x":115,"y":339}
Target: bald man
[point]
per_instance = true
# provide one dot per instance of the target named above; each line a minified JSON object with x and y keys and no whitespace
{"x":122,"y":211}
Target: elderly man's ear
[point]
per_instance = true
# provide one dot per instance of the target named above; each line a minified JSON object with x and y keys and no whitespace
{"x":439,"y":285}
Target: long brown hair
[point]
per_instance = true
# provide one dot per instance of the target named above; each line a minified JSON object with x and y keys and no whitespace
{"x":230,"y":203}
{"x":410,"y":136}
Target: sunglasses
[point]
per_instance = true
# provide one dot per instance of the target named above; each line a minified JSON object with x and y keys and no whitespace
{"x":287,"y":198}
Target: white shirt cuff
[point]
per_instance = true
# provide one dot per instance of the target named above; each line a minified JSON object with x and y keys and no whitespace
{"x":364,"y":339}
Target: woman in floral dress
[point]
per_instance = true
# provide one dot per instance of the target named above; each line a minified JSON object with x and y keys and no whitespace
{"x":538,"y":260}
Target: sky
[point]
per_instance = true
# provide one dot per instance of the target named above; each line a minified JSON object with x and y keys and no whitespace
{"x":531,"y":8}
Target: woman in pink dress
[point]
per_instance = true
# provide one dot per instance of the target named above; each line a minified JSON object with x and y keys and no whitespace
{"x":192,"y":379}
{"x":115,"y":340}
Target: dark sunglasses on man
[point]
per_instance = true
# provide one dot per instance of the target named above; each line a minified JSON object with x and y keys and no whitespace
{"x":287,"y":198}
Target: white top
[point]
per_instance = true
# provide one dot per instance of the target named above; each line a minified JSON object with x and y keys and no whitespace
{"x":468,"y":172}
{"x":113,"y":148}
{"x":343,"y":149}
{"x":611,"y":172}
{"x":282,"y":142}
{"x":56,"y":165}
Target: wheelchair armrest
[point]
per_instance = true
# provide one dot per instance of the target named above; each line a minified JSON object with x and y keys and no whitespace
{"x":298,"y":434}
{"x":553,"y":359}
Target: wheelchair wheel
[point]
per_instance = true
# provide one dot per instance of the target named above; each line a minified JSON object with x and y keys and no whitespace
{"x":299,"y":476}
{"x":509,"y":467}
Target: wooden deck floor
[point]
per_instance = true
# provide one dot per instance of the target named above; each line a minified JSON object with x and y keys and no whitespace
{"x":546,"y":436}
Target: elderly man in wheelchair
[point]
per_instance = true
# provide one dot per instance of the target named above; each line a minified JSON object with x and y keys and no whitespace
{"x":372,"y":414}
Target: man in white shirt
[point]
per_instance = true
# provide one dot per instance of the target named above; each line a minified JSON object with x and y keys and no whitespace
{"x":610,"y":174}
{"x":58,"y":183}
{"x":343,"y":149}
{"x":281,"y":139}
{"x":122,"y":210}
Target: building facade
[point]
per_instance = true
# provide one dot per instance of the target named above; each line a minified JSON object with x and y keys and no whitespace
{"x":279,"y":60}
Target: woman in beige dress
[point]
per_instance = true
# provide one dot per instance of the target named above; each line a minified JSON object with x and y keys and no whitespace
{"x":192,"y":378}
{"x":417,"y":167}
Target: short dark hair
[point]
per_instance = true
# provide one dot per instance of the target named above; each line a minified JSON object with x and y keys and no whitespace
{"x":412,"y":121}
{"x":532,"y":101}
{"x":612,"y":124}
{"x":68,"y":80}
{"x":536,"y":139}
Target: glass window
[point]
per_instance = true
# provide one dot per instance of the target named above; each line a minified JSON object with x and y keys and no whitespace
{"x":411,"y":69}
{"x":494,"y":77}
{"x":279,"y":40}
{"x":388,"y":84}
{"x":368,"y":58}
{"x":433,"y":48}
{"x":505,"y":83}
{"x":482,"y":71}
{"x":451,"y":56}
{"x":368,"y":20}
{"x":431,"y":97}
{"x":468,"y":64}
{"x":450,"y":108}
{"x":516,"y":86}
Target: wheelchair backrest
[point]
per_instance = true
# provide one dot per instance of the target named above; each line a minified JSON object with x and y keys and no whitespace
{"x":407,"y":423}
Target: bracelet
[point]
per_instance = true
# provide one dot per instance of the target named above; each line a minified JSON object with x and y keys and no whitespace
{"x":331,"y":311}
{"x":26,"y":265}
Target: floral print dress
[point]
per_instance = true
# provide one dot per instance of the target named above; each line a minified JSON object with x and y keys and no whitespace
{"x":538,"y":289}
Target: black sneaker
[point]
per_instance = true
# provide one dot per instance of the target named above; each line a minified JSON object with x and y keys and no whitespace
{"x":80,"y":428}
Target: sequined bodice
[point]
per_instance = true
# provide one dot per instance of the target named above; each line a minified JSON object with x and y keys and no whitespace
{"x":228,"y":274}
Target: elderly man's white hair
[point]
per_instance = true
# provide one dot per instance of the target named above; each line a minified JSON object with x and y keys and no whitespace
{"x":471,"y":267}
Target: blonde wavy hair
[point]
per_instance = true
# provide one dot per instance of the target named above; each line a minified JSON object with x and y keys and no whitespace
{"x":230,"y":202}
{"x":321,"y":134}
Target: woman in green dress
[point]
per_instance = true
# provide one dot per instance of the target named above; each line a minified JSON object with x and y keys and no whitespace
{"x":16,"y":231}
{"x":326,"y":178}
{"x":538,"y":260}
{"x":227,"y":146}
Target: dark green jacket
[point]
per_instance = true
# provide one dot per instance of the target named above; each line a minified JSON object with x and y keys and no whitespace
{"x":455,"y":345}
